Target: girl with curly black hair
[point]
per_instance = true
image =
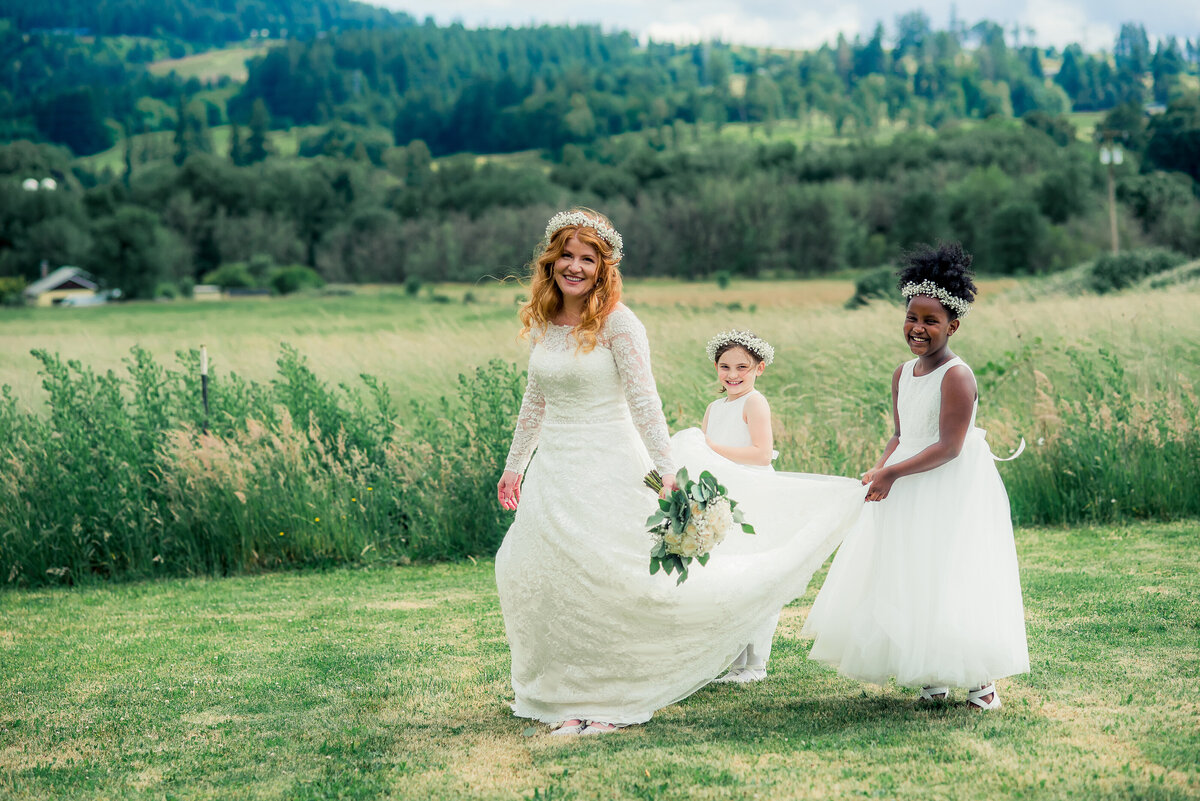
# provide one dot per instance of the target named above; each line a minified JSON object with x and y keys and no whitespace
{"x":926,"y":589}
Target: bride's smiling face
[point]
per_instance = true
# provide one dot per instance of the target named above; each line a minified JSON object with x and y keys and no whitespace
{"x":575,"y":270}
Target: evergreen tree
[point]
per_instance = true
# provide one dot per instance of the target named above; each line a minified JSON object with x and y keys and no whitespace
{"x":912,"y":32}
{"x":237,"y":148}
{"x":127,"y":129}
{"x":871,"y":58}
{"x":181,"y":140}
{"x":258,"y":145}
{"x":1132,"y":49}
{"x":1070,"y":75}
{"x":191,"y":131}
{"x":1034,"y":62}
{"x":1167,"y":64}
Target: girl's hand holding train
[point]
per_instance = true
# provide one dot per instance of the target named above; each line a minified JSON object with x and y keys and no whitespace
{"x":881,"y":481}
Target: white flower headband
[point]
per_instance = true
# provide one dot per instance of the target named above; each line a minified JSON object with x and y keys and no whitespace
{"x":747,"y":340}
{"x":567,"y":218}
{"x":956,"y":304}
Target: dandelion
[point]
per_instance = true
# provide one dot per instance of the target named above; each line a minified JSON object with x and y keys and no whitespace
{"x":370,"y":489}
{"x":316,"y":520}
{"x":353,"y":500}
{"x":281,"y":533}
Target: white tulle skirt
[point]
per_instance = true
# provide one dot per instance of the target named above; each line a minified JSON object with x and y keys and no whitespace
{"x":925,"y":587}
{"x":593,"y":635}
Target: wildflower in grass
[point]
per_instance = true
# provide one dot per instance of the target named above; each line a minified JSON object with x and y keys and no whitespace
{"x":316,"y":520}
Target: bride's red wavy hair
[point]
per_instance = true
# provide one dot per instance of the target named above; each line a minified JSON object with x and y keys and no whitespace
{"x":545,"y":298}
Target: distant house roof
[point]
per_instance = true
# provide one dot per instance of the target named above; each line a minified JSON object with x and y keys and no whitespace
{"x":62,"y":278}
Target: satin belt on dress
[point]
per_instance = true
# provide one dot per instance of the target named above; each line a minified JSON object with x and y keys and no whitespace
{"x":977,"y":433}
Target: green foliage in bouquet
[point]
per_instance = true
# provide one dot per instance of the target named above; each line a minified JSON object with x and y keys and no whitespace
{"x":691,"y":520}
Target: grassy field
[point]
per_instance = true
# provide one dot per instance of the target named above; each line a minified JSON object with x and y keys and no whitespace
{"x":212,"y":65}
{"x":392,"y":683}
{"x":819,"y":344}
{"x":114,"y":477}
{"x":160,"y":146}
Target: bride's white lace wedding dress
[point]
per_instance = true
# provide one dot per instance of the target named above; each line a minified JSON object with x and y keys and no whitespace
{"x":593,"y":635}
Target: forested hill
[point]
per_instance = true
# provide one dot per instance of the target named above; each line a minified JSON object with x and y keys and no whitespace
{"x":502,"y":90}
{"x":210,"y":22}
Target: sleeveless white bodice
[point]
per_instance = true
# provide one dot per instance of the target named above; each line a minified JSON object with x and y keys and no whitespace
{"x":727,"y":424}
{"x":919,"y":405}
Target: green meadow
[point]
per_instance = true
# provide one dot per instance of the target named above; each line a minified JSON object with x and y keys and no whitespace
{"x":392,"y":683}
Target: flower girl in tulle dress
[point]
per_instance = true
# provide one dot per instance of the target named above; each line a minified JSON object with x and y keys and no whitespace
{"x":735,"y":443}
{"x":925,"y":588}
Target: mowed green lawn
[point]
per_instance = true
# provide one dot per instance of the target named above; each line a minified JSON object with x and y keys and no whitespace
{"x":393,"y":682}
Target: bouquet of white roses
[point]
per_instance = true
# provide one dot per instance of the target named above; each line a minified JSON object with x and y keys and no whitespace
{"x":691,"y":521}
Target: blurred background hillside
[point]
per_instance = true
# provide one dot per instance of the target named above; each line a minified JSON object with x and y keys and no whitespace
{"x":280,"y":144}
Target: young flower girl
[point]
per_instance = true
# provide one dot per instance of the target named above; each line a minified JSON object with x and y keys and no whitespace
{"x":926,"y":588}
{"x":735,"y":443}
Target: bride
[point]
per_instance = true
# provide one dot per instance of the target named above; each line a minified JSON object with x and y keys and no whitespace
{"x":598,"y":643}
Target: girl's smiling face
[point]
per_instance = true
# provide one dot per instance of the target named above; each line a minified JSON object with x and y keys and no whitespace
{"x":737,"y":370}
{"x":575,"y":270}
{"x":927,"y":325}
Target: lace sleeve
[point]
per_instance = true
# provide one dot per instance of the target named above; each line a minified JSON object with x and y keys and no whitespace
{"x":626,"y":337}
{"x":529,"y":426}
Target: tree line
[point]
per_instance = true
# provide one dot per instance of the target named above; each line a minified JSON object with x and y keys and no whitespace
{"x":506,"y":90}
{"x":494,"y":90}
{"x":1024,"y":195}
{"x":198,"y":21}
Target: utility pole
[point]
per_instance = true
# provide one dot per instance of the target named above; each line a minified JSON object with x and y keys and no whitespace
{"x":1110,"y":156}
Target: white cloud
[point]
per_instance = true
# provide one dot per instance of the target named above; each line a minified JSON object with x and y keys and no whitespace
{"x":1061,"y":23}
{"x":803,"y":29}
{"x":781,"y":23}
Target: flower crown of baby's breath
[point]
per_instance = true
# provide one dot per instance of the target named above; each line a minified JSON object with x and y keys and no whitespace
{"x":606,"y":232}
{"x":958,"y":305}
{"x":756,"y":345}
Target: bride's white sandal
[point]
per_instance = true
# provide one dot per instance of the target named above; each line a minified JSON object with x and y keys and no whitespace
{"x":935,"y":694}
{"x":742,"y":675}
{"x":975,"y":697}
{"x":564,"y":730}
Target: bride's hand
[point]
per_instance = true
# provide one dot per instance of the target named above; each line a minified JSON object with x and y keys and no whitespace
{"x":509,"y":490}
{"x":869,"y":476}
{"x":669,"y":485}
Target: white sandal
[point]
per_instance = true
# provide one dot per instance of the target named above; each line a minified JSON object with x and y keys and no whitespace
{"x":741,"y":675}
{"x":600,"y":727}
{"x":564,"y":730}
{"x":975,"y":697}
{"x":930,"y":693}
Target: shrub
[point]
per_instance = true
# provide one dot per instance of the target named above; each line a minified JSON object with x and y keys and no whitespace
{"x":235,"y":275}
{"x":166,"y":291}
{"x":1112,"y":272}
{"x":12,"y":290}
{"x":876,"y":284}
{"x":286,"y":280}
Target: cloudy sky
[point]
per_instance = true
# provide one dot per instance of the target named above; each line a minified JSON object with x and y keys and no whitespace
{"x":797,"y":24}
